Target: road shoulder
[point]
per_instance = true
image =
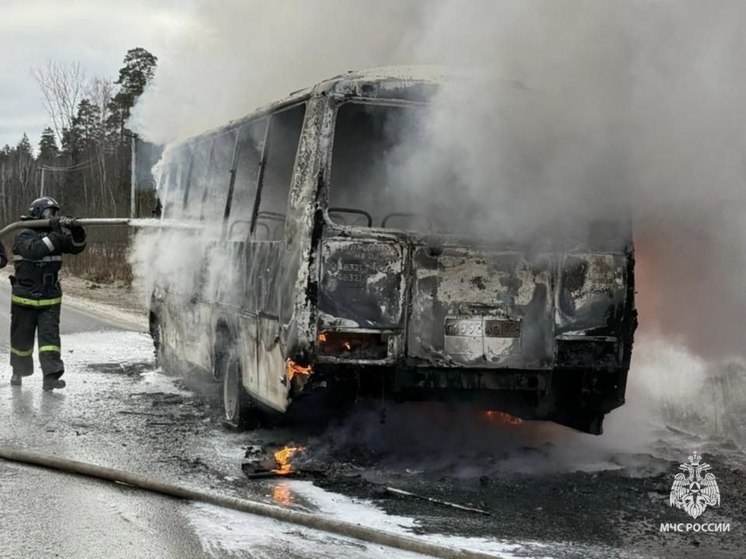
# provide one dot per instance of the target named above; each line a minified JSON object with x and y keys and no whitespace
{"x":116,"y":303}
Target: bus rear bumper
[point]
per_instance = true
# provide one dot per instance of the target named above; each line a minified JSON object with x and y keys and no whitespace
{"x":578,"y":398}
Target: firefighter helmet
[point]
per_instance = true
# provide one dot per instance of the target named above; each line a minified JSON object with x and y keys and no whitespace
{"x":38,"y":206}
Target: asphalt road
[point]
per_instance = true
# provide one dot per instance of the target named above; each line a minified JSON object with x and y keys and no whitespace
{"x":47,"y":514}
{"x":551,"y":492}
{"x":118,"y":411}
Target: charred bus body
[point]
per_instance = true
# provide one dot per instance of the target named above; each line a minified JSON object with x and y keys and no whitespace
{"x":330,"y":277}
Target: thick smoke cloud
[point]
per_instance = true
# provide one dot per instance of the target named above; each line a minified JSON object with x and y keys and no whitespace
{"x":238,"y":55}
{"x":626,"y":102}
{"x":621,"y":103}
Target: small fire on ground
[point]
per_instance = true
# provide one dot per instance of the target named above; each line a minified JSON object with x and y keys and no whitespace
{"x":263,"y":462}
{"x":284,"y":457}
{"x":502,"y":417}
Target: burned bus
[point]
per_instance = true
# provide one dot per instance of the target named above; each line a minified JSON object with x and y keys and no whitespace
{"x":312,"y":269}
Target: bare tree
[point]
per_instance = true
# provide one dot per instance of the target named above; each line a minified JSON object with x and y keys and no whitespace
{"x":99,"y":91}
{"x":62,"y":87}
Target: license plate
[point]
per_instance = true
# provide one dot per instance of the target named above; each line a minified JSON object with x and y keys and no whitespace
{"x":482,"y":328}
{"x":463,"y":327}
{"x":502,"y":328}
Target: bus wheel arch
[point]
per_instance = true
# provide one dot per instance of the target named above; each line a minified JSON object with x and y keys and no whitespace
{"x":222,"y":346}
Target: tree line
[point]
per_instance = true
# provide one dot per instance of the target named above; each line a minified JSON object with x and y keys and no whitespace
{"x":83,"y":159}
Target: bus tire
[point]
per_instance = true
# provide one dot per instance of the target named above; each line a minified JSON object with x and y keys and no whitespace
{"x":238,"y":413}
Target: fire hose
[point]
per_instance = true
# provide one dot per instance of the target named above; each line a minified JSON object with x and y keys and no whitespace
{"x":104,"y":221}
{"x":325,"y":524}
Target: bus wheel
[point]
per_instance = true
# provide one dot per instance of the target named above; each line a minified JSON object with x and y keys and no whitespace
{"x":238,"y":413}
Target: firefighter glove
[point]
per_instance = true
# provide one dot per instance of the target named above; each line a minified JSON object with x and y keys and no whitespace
{"x":54,"y":223}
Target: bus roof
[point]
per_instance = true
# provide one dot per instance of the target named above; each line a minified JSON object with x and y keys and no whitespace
{"x":374,"y":82}
{"x":414,"y":83}
{"x":387,"y":76}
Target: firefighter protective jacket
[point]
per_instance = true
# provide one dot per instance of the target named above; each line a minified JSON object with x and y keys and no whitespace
{"x":37,"y":257}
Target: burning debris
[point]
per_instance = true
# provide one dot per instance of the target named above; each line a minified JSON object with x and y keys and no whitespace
{"x":294,"y":369}
{"x":283,"y":457}
{"x":261,"y":462}
{"x":501,"y":417}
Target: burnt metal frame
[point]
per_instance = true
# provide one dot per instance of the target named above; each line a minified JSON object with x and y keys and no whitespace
{"x":234,"y":168}
{"x":339,"y":209}
{"x":336,"y":103}
{"x":263,"y":161}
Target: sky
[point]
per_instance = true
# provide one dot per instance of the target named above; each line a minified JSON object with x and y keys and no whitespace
{"x":95,"y":33}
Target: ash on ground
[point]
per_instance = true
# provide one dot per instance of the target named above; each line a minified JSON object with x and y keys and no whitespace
{"x":538,"y":481}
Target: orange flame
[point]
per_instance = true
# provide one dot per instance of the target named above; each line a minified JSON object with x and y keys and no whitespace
{"x":502,"y":417}
{"x":295,"y":369}
{"x":283,"y":458}
{"x":322,"y":337}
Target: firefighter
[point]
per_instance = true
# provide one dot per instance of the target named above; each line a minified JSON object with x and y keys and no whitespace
{"x":36,"y":296}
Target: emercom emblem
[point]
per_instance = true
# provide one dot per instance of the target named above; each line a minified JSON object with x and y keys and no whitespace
{"x":692,"y":491}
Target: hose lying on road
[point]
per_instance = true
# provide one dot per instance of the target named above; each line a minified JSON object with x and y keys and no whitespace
{"x":363,"y":533}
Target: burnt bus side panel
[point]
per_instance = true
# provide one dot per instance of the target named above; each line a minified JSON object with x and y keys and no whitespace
{"x":297,"y":289}
{"x":266,"y":261}
{"x":271,"y":254}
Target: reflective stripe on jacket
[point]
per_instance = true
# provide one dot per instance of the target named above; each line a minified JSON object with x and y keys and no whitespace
{"x":35,"y":302}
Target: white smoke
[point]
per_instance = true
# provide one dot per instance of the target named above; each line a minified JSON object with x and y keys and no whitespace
{"x":238,"y":55}
{"x":626,"y":101}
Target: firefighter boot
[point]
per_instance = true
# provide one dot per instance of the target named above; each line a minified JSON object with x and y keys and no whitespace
{"x":16,"y":379}
{"x":52,"y":382}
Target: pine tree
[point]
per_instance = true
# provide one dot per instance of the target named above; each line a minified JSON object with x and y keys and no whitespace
{"x":87,"y":125}
{"x":24,"y":161}
{"x":24,"y":147}
{"x":138,"y":70}
{"x":48,"y":150}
